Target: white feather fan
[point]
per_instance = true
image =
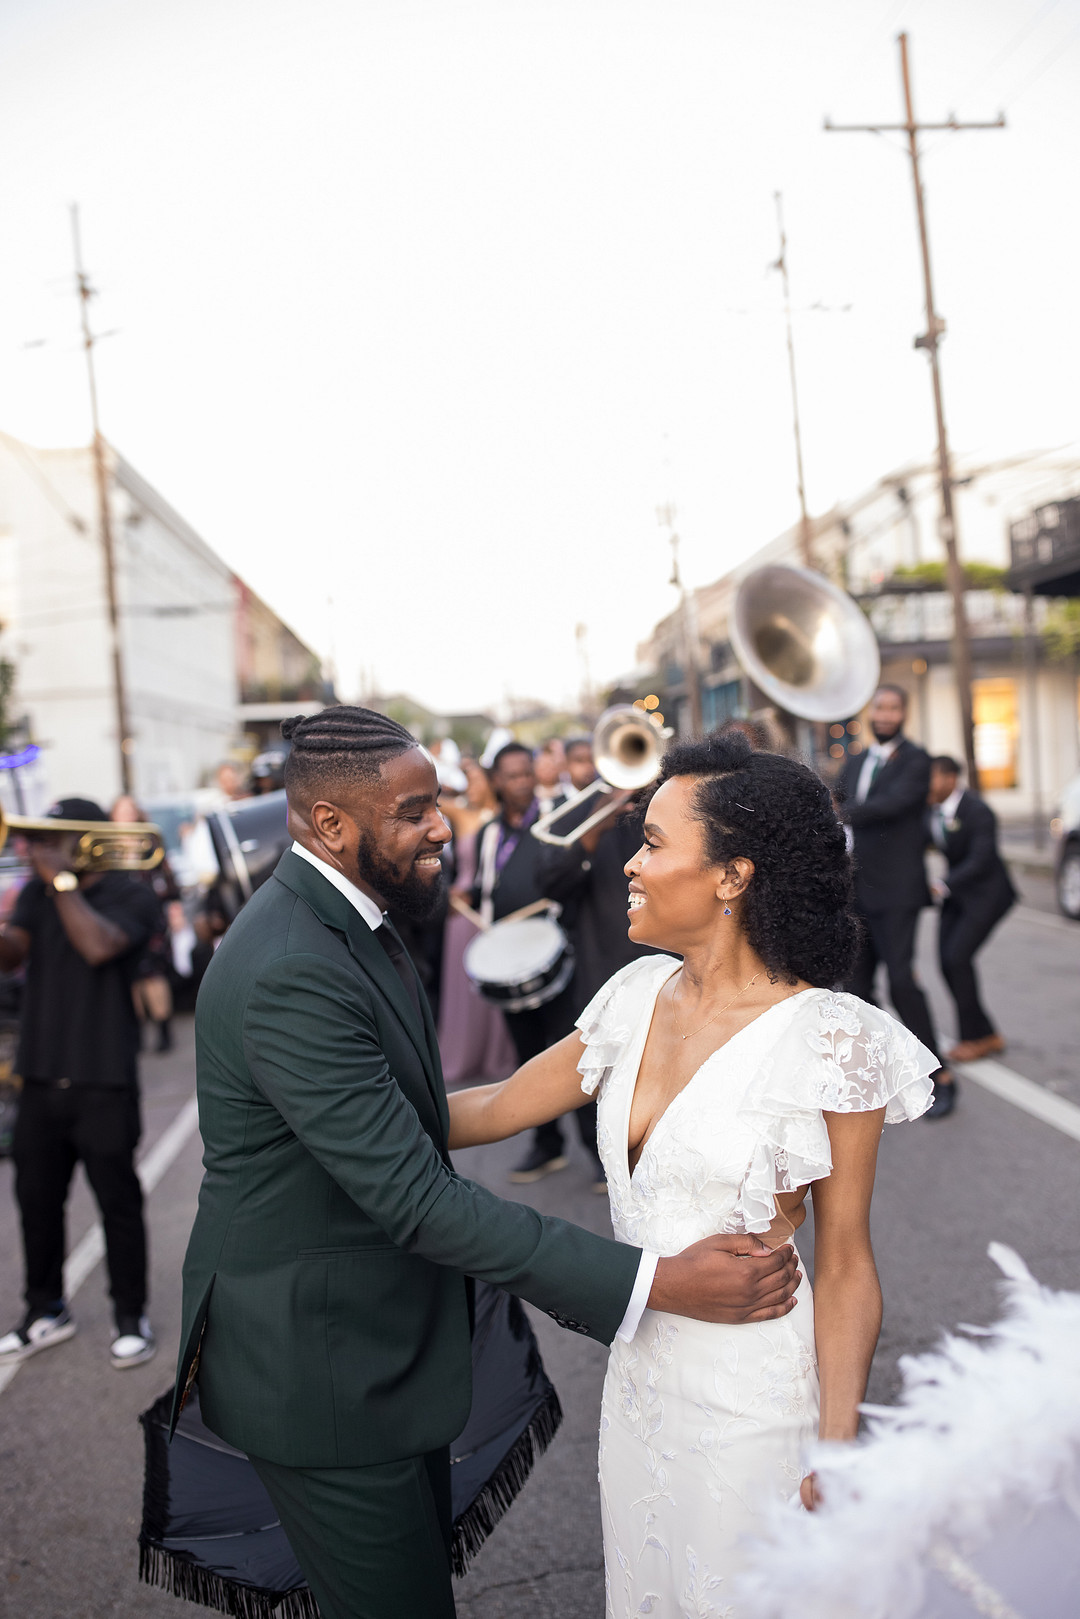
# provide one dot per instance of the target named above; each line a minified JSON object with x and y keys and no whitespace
{"x":964,"y":1499}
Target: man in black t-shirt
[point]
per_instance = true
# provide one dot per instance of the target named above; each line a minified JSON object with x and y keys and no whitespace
{"x":80,"y":937}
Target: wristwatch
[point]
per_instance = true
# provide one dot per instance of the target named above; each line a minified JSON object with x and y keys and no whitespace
{"x":65,"y":881}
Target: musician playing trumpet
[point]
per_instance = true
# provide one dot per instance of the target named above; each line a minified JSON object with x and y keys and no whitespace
{"x":79,"y":933}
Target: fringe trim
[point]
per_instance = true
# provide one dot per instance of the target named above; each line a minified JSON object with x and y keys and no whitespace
{"x":502,"y":1488}
{"x":155,"y":1427}
{"x":175,"y":1573}
{"x":178,"y":1572}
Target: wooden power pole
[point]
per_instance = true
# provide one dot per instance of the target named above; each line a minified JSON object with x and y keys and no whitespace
{"x":101,"y":477}
{"x":930,"y":341}
{"x":806,"y":541}
{"x":687,"y":627}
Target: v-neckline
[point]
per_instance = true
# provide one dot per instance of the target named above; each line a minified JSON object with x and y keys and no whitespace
{"x":631,"y":1090}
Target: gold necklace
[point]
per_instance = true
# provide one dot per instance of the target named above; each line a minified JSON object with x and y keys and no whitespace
{"x":715,"y":1015}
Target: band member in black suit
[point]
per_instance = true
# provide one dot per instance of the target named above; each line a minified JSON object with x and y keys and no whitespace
{"x":549,"y":762}
{"x":881,"y":794}
{"x":580,"y":765}
{"x":975,"y":895}
{"x":508,"y":877}
{"x":588,"y":878}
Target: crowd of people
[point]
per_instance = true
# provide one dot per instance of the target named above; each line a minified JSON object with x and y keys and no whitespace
{"x":120,"y":952}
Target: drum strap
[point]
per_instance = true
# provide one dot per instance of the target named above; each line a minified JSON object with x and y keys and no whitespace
{"x":489,"y":849}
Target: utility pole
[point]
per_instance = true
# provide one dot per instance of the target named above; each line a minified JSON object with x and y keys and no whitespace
{"x":101,"y":476}
{"x":930,"y":340}
{"x":586,"y":698}
{"x":806,"y":542}
{"x":691,"y":672}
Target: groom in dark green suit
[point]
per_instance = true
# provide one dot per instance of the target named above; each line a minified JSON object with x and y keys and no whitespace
{"x":326,"y":1312}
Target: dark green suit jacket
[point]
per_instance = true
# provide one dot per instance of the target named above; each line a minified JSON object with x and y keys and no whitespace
{"x":325,"y":1305}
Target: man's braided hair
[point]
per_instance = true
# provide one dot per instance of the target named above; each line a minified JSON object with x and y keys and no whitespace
{"x":342,"y":746}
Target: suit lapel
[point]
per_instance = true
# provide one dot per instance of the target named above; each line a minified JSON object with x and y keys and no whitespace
{"x":334,"y":911}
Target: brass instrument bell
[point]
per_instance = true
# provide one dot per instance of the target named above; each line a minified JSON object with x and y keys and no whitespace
{"x":628,"y":746}
{"x":101,"y":846}
{"x":804,"y":642}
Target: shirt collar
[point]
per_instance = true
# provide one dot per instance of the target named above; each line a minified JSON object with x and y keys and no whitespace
{"x":949,"y":806}
{"x":361,"y":902}
{"x":885,"y":750}
{"x":531,"y":814}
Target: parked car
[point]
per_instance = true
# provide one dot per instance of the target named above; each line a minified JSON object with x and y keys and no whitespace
{"x":1067,"y":865}
{"x":182,"y":819}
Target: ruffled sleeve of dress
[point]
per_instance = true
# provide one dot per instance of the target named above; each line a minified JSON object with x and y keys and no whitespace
{"x":838,"y":1054}
{"x":610,"y":1020}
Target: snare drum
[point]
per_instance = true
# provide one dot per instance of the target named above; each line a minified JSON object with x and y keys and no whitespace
{"x":519,"y":966}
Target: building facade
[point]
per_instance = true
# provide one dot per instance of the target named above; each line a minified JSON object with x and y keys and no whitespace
{"x":181,"y":615}
{"x":884,"y":548}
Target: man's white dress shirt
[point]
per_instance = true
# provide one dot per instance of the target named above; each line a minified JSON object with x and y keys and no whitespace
{"x":876,"y":755}
{"x":367,"y":908}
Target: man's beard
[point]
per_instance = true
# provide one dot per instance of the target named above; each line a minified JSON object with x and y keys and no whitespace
{"x":414,"y":896}
{"x":887,"y":736}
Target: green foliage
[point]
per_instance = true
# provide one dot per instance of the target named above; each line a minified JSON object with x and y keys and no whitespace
{"x":7,"y":685}
{"x":977,"y":575}
{"x":1061,"y":630}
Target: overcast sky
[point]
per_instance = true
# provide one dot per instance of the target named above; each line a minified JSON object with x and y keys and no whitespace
{"x":424,"y":306}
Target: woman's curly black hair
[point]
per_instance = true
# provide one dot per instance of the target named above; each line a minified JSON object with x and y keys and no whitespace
{"x":797,"y":912}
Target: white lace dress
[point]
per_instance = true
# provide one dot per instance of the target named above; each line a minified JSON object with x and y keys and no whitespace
{"x":700,"y":1423}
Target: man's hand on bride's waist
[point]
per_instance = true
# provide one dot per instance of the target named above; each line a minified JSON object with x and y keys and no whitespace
{"x":732,"y":1279}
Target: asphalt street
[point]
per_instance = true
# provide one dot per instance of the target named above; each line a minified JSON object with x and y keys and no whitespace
{"x":71,"y":1448}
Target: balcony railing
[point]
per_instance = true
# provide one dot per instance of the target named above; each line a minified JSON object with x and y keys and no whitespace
{"x":1045,"y":549}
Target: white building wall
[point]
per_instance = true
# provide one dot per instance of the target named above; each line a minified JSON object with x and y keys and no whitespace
{"x":178,"y":604}
{"x":180,"y":670}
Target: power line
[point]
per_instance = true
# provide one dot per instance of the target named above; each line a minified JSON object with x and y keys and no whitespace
{"x":1024,"y":32}
{"x":930,"y":341}
{"x":1043,"y":66}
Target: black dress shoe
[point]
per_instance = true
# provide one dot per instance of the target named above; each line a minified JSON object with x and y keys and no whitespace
{"x":944,"y":1100}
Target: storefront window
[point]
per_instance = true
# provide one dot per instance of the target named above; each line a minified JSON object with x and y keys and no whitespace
{"x":997,"y":731}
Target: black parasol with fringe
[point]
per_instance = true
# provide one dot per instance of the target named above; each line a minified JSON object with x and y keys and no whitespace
{"x":210,"y":1534}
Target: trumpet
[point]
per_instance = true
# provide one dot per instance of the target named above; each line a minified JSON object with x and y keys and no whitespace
{"x":100,"y":846}
{"x":628,"y":746}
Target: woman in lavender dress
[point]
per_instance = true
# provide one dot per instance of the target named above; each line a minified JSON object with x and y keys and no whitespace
{"x":472,"y":1033}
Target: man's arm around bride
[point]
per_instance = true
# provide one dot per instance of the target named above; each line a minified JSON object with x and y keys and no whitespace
{"x":326,"y":1310}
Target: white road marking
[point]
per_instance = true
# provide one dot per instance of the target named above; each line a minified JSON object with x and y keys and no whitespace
{"x":1023,"y":1093}
{"x":90,"y":1249}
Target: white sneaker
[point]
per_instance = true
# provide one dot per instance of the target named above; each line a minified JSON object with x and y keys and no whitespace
{"x":36,"y":1333}
{"x":135,"y":1345}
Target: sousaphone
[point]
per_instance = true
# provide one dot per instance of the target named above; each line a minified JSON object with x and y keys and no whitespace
{"x":804,"y":643}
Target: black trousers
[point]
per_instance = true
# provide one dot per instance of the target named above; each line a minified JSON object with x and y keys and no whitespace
{"x":55,"y":1130}
{"x":533,"y":1032}
{"x":373,"y":1542}
{"x":889,"y":937}
{"x":964,"y":930}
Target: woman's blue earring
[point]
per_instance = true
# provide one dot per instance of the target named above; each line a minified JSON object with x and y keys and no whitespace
{"x":727,"y":910}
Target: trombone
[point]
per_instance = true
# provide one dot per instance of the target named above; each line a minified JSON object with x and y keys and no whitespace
{"x":100,"y":845}
{"x":628,"y":746}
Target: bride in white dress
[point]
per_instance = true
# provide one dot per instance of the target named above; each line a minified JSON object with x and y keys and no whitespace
{"x":729,"y":1083}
